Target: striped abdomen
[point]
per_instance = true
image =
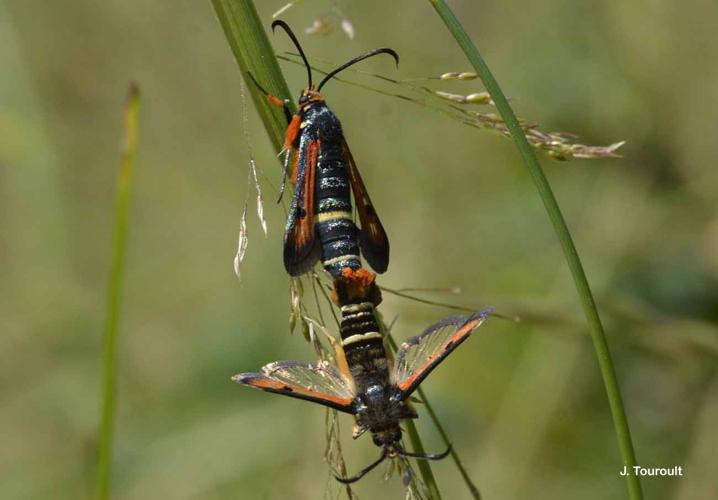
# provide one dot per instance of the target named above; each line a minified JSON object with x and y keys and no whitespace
{"x":363,"y":345}
{"x":335,"y":225}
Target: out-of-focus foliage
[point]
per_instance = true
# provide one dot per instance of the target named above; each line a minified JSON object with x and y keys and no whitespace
{"x":524,"y":403}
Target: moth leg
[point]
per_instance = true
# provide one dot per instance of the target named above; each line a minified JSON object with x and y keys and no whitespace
{"x":284,"y":104}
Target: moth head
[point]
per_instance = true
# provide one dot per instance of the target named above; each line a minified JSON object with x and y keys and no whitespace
{"x":309,"y":96}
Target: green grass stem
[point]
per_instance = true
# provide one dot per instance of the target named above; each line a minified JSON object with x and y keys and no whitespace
{"x":475,"y":494}
{"x":114,"y":286}
{"x":603,"y":354}
{"x":424,"y":468}
{"x":254,"y":54}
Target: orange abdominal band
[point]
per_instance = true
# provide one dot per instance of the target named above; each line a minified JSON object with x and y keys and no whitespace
{"x":357,"y":284}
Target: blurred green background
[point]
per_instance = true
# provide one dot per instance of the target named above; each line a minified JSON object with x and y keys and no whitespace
{"x":524,"y":404}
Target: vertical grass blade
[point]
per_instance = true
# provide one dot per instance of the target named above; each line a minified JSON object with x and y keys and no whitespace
{"x":424,"y":468}
{"x":475,"y":494}
{"x":600,"y":344}
{"x":253,"y":53}
{"x":122,"y":201}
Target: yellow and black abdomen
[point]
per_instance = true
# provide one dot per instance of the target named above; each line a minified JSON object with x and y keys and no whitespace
{"x":334,"y":224}
{"x":363,"y":345}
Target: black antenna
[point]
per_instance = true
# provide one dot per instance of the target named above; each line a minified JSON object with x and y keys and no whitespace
{"x":291,"y":35}
{"x":424,"y":456}
{"x":356,"y":60}
{"x":363,"y":472}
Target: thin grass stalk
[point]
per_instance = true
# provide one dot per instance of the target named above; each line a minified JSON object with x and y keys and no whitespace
{"x":109,"y":376}
{"x":424,"y":468}
{"x":600,"y":344}
{"x":475,"y":494}
{"x":454,"y":455}
{"x":253,"y":53}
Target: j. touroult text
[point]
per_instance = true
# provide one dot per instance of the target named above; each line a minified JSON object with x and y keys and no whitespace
{"x":637,"y":470}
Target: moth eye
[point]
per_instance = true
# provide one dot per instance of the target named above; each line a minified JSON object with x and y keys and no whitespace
{"x":301,"y":213}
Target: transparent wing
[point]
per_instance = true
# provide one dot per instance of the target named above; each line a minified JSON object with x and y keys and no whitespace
{"x":419,"y":355}
{"x":321,"y":383}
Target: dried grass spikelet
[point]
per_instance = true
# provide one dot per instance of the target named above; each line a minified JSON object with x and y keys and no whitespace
{"x":475,"y":98}
{"x":459,"y":75}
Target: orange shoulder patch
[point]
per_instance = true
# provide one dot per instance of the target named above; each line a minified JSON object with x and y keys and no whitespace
{"x":290,"y":135}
